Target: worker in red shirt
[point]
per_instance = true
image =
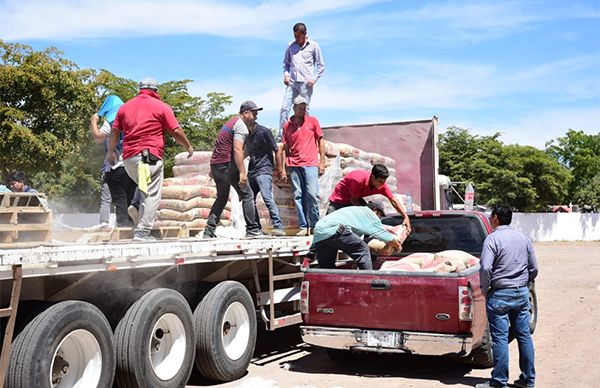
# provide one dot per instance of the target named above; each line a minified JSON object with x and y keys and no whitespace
{"x":358,"y":184}
{"x":143,"y":121}
{"x":304,"y":154}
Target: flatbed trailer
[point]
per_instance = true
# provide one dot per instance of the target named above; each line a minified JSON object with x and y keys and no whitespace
{"x":142,"y":314}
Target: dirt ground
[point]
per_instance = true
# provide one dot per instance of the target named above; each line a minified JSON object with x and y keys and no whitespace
{"x":567,"y":341}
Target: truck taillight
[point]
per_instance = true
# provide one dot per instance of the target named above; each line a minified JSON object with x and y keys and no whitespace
{"x":465,"y":303}
{"x":304,"y":297}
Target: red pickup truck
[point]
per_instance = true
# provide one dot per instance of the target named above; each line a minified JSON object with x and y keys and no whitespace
{"x":425,"y":313}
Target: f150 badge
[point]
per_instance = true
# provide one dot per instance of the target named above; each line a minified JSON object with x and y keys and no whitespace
{"x":324,"y":310}
{"x":443,"y":316}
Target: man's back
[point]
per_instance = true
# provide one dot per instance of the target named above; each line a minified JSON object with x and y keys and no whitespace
{"x":508,"y":259}
{"x":143,"y":120}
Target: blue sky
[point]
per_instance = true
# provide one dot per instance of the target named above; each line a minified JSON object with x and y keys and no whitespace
{"x":527,"y":69}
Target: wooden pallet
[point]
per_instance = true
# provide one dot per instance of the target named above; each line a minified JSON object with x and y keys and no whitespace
{"x":24,"y":218}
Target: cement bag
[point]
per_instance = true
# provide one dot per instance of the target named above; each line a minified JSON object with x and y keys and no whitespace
{"x":420,"y":259}
{"x":379,"y":247}
{"x":187,"y":192}
{"x":327,"y":183}
{"x":461,"y":257}
{"x":399,"y":266}
{"x":380,"y":159}
{"x":189,"y":180}
{"x":190,"y":215}
{"x":331,"y":149}
{"x":356,"y":163}
{"x":364,"y":156}
{"x":199,"y":157}
{"x":191,"y":169}
{"x":182,"y":206}
{"x":348,"y":151}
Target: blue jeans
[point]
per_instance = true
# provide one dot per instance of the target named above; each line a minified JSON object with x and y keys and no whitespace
{"x":504,"y":307}
{"x":263,"y":184}
{"x":346,"y":241}
{"x":305,"y":186}
{"x":292,"y":91}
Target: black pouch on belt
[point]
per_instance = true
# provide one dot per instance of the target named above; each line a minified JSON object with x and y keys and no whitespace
{"x":149,"y":158}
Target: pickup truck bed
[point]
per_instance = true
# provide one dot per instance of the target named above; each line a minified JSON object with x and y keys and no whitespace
{"x":396,"y":311}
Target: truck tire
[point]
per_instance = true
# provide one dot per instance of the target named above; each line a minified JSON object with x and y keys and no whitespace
{"x":482,"y":356}
{"x":67,"y":345}
{"x":154,"y":342}
{"x":225,"y":324}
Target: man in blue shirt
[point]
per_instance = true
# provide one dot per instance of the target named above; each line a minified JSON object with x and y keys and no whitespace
{"x":508,"y":264}
{"x":17,"y":182}
{"x":342,"y":230}
{"x":260,"y":146}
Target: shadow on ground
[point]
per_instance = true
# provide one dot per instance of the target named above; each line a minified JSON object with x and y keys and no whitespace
{"x":285,"y":348}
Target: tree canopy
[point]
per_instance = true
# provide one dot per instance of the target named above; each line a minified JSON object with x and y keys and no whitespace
{"x":580,"y":153}
{"x":522,"y":177}
{"x":46,"y":102}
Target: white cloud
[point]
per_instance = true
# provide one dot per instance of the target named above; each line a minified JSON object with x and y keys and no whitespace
{"x":72,"y":19}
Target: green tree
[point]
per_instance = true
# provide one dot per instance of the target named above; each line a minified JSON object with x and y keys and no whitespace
{"x":580,"y":153}
{"x":520,"y":176}
{"x":45,"y":105}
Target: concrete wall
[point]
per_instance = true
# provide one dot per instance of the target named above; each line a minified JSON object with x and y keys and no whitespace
{"x":558,"y":226}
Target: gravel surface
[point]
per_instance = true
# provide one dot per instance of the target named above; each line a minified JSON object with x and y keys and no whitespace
{"x":567,"y":341}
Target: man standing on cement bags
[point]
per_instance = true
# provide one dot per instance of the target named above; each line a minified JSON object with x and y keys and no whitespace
{"x":143,"y":121}
{"x":121,"y":187}
{"x":302,"y":66}
{"x":227,"y":172}
{"x":508,"y":265}
{"x":260,"y":146}
{"x":304,"y":153}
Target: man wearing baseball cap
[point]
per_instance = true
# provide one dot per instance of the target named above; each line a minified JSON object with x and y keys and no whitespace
{"x":303,"y":152}
{"x":227,"y":169}
{"x":143,"y":120}
{"x":342,"y":230}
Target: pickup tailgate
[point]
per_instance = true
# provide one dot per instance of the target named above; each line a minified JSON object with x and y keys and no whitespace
{"x":386,"y":300}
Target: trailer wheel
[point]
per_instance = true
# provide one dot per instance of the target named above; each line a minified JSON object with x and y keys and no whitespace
{"x":482,"y":356}
{"x":155,"y":342}
{"x":225,"y":324}
{"x":67,"y":345}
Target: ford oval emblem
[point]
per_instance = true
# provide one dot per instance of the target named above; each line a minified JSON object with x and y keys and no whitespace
{"x":442,"y":316}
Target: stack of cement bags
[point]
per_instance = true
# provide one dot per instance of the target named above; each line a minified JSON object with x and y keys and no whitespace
{"x":445,"y":261}
{"x":188,"y":197}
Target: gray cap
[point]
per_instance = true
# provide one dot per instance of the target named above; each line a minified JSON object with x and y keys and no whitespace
{"x":377,"y":205}
{"x":249,"y":105}
{"x":148,"y":83}
{"x":300,"y":100}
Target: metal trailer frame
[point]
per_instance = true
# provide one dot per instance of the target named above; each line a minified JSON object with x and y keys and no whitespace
{"x":17,"y":264}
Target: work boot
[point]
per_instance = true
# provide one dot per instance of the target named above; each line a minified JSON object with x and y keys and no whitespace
{"x":134,"y":214}
{"x":209,"y":233}
{"x":303,"y":232}
{"x":256,"y":234}
{"x":522,"y":384}
{"x":143,"y":237}
{"x":278,"y":232}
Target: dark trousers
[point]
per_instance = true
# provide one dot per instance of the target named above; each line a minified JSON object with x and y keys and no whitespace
{"x":336,"y":206}
{"x":346,"y":241}
{"x":226,"y":175}
{"x":122,"y":189}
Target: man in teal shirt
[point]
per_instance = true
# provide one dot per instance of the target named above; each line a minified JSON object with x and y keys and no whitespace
{"x":342,"y":230}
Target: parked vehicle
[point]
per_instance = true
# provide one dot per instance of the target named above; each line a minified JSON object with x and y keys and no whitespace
{"x":429,"y":313}
{"x":142,"y":314}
